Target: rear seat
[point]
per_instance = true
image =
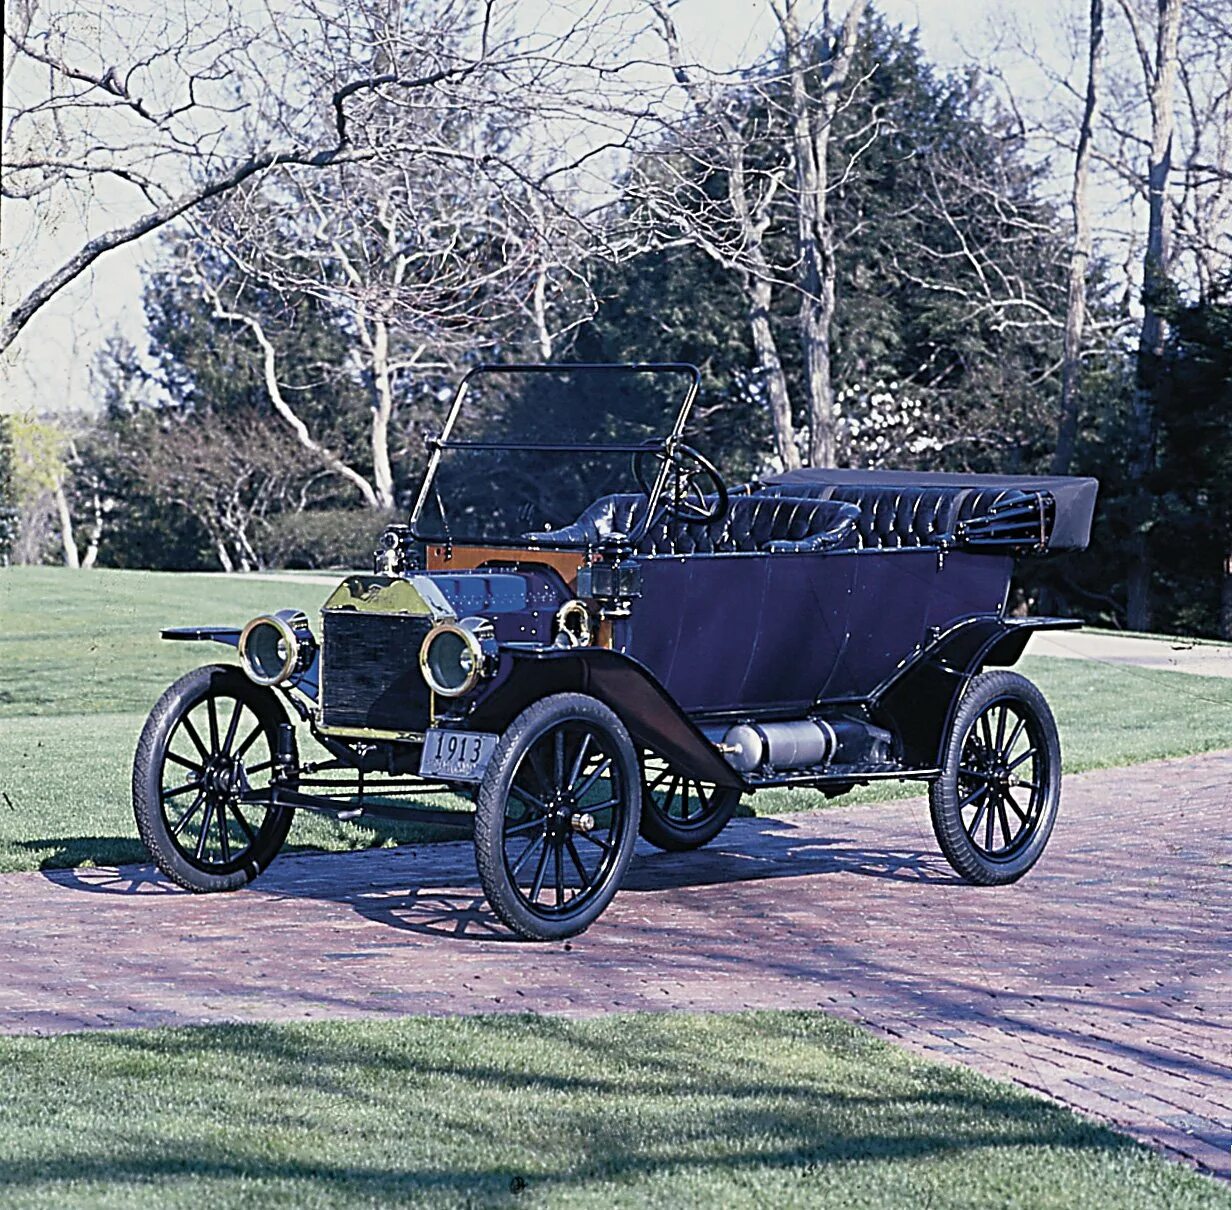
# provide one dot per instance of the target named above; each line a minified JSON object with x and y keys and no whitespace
{"x":771,"y":522}
{"x":894,"y":517}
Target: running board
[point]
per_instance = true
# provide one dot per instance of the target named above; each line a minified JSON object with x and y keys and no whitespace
{"x":823,"y":775}
{"x":284,"y":796}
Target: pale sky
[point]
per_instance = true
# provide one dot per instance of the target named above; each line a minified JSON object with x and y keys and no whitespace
{"x":49,"y":367}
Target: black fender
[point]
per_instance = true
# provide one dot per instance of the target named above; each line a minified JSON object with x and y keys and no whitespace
{"x":230,"y":635}
{"x":306,"y":682}
{"x":629,"y":688}
{"x":919,"y":701}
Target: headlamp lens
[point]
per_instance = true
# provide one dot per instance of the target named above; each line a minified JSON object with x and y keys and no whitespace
{"x":451,"y":660}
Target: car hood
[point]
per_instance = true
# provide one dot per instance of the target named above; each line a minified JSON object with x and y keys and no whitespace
{"x":439,"y":596}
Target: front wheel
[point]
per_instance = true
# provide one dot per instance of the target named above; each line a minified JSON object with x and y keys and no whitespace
{"x":556,"y":816}
{"x":995,"y":802}
{"x":211,"y":737}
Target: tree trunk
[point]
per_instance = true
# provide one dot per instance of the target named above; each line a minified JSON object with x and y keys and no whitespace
{"x":220,"y":548}
{"x":815,"y":275}
{"x":812,"y":118}
{"x":816,"y":317}
{"x":1151,"y":379}
{"x":96,"y":533}
{"x":539,"y":304}
{"x":1080,"y":255}
{"x":382,"y":410}
{"x":771,"y":367}
{"x":67,"y":540}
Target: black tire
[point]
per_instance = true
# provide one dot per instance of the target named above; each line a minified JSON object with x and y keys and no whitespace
{"x":205,"y":731}
{"x":562,"y":790}
{"x":1004,"y":741}
{"x":679,"y":812}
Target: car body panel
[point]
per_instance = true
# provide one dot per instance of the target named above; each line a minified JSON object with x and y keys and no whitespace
{"x":776,"y":633}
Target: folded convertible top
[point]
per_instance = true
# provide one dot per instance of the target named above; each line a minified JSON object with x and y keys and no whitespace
{"x":1073,"y":497}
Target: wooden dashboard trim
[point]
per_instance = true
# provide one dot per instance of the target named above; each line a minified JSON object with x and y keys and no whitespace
{"x":467,"y":558}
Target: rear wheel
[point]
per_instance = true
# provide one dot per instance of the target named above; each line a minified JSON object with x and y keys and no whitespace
{"x":210,"y":738}
{"x":678,"y":811}
{"x":556,"y":816}
{"x":995,"y":802}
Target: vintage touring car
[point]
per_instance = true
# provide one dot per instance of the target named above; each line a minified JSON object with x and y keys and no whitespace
{"x":585,"y":630}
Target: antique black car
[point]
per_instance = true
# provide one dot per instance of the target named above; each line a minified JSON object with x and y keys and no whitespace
{"x":587,"y":631}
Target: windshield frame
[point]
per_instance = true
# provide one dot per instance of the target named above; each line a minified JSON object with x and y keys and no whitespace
{"x":667,"y":444}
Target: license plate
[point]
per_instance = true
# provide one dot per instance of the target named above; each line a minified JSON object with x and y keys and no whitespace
{"x":456,"y":755}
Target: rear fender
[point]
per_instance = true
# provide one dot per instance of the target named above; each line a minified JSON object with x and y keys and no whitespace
{"x":919,"y":702}
{"x":647,"y":710}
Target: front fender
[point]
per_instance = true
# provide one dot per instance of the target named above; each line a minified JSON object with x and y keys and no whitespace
{"x":305,"y":683}
{"x":647,"y":710}
{"x":230,"y":635}
{"x":919,"y":702}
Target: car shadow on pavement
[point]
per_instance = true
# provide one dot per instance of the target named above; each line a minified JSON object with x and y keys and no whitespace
{"x":438,"y":895}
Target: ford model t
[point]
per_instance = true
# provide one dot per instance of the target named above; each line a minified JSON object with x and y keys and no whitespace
{"x":584,"y":629}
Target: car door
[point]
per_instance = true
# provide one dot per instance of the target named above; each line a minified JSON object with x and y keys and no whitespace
{"x":742,"y":632}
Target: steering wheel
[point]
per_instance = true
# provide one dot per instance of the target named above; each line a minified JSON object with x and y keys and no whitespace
{"x":694,"y":491}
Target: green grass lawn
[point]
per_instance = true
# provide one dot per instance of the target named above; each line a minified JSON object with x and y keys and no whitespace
{"x":81,"y":663}
{"x":75,"y":643}
{"x":766,"y":1109}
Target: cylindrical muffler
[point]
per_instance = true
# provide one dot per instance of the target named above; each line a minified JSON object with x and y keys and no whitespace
{"x":795,"y":745}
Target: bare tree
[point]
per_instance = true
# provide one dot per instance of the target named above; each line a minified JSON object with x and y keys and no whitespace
{"x":272,"y":379}
{"x":674,"y":193}
{"x":1158,"y":146}
{"x":420,"y":260}
{"x":764,"y":139}
{"x":228,"y":473}
{"x":816,"y":93}
{"x":189,"y":105}
{"x":1160,"y":66}
{"x":1080,"y":256}
{"x":1200,"y":196}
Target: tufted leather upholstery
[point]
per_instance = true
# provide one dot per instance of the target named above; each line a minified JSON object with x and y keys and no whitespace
{"x":894,"y":517}
{"x":768,"y":523}
{"x":607,"y":516}
{"x":753,"y":523}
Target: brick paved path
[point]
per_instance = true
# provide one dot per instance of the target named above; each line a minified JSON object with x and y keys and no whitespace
{"x":1103,"y":979}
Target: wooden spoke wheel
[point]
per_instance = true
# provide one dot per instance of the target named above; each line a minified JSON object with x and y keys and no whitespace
{"x":995,"y":802}
{"x":210,"y":738}
{"x":556,"y":816}
{"x":678,"y":811}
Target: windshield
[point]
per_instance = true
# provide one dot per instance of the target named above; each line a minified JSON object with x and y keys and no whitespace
{"x":526,"y":450}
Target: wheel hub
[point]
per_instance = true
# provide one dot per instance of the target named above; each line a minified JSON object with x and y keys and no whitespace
{"x":223,"y":777}
{"x":560,"y":817}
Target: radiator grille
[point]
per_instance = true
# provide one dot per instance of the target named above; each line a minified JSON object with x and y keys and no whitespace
{"x":370,"y":672}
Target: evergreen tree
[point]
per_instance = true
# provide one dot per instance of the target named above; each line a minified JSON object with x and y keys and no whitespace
{"x":1192,"y":539}
{"x":951,"y":286}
